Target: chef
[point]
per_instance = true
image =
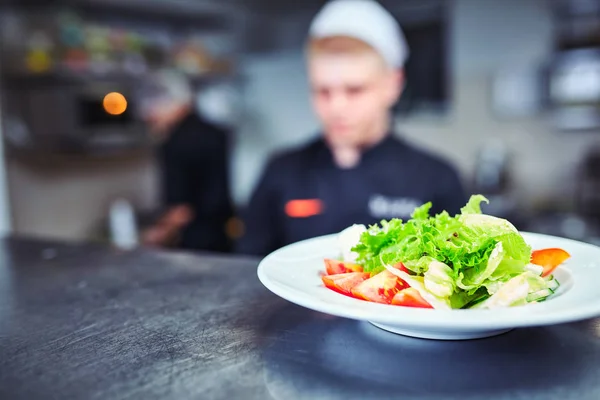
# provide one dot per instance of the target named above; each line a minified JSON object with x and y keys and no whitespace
{"x":358,"y":170}
{"x":193,"y":157}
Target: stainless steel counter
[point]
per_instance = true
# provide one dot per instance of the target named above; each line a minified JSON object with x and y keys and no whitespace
{"x":85,"y":322}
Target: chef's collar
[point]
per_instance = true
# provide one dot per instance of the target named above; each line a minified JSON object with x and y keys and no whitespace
{"x":389,"y":144}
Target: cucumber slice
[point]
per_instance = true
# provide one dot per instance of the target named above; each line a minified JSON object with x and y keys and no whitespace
{"x":539,"y":295}
{"x":553,"y":284}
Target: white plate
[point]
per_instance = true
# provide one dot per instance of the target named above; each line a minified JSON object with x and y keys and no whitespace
{"x":293,"y":273}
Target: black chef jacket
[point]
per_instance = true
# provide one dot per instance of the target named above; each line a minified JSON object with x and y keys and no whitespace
{"x":303,"y":194}
{"x":194,"y":161}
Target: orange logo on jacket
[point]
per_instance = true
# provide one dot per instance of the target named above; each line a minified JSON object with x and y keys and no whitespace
{"x":304,"y":208}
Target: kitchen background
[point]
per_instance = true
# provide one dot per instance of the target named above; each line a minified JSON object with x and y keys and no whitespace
{"x":507,"y":90}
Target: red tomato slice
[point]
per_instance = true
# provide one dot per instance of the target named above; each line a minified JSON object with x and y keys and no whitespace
{"x":380,"y":288}
{"x":334,"y":267}
{"x":401,"y":267}
{"x":549,"y":259}
{"x":343,"y":283}
{"x":410,"y":298}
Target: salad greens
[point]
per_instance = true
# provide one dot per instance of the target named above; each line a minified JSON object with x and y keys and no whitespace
{"x":462,"y":261}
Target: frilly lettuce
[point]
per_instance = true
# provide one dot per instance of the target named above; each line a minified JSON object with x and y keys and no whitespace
{"x":460,"y":259}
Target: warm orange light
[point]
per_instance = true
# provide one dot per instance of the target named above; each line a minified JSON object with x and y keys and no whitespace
{"x":303,"y":208}
{"x":115,"y":103}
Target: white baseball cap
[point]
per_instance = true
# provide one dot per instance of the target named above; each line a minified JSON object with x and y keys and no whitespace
{"x":365,"y":20}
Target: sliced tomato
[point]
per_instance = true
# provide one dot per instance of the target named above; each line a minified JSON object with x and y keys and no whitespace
{"x":410,"y":298}
{"x":549,"y":259}
{"x":343,"y":283}
{"x":380,"y":288}
{"x":334,"y":267}
{"x":401,"y":267}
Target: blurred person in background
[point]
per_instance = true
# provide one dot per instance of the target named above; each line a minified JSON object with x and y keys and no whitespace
{"x":193,"y":157}
{"x":358,"y":171}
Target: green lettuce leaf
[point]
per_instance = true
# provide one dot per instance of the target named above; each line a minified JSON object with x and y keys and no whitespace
{"x":462,"y":299}
{"x":464,"y":244}
{"x":419,"y":266}
{"x":439,"y":279}
{"x":473,"y":206}
{"x":374,"y":240}
{"x":394,"y":241}
{"x":473,"y":278}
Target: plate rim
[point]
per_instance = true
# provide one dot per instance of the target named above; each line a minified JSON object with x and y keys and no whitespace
{"x":415,"y":318}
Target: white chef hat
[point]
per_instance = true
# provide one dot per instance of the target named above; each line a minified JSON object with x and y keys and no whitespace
{"x":365,"y":20}
{"x":174,"y":85}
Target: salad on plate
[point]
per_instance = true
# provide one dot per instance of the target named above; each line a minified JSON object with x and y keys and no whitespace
{"x":467,"y":261}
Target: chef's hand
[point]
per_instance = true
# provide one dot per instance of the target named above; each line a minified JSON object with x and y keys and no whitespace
{"x":166,"y":231}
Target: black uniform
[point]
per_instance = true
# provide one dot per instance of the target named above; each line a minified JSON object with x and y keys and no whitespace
{"x":391,"y":180}
{"x":195,"y":172}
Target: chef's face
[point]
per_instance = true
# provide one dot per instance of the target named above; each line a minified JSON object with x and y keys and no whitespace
{"x":352,"y":94}
{"x":161,"y":114}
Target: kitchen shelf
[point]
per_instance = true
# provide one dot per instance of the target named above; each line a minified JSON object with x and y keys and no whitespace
{"x":61,"y":77}
{"x":202,"y":14}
